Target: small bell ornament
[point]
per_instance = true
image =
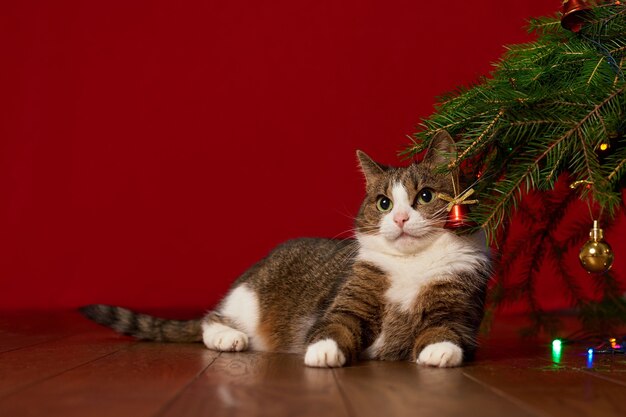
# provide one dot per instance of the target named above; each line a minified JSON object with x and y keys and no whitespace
{"x":458,"y":210}
{"x":596,"y":256}
{"x":458,"y":217}
{"x":575,"y":14}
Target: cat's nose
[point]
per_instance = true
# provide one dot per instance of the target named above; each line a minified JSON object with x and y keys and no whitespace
{"x":400,"y":218}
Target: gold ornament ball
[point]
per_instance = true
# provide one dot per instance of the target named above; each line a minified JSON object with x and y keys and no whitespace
{"x":596,"y":256}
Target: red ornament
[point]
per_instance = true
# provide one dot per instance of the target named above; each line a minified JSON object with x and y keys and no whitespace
{"x":575,"y":14}
{"x":458,"y":218}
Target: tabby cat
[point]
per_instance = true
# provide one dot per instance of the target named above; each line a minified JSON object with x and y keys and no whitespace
{"x":405,"y":289}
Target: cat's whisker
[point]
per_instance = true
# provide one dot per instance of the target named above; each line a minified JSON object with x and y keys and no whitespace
{"x":349,"y":233}
{"x":346,"y":213}
{"x":354,"y":231}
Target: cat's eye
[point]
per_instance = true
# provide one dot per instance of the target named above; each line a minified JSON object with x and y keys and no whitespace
{"x":383,"y":203}
{"x":425,"y":196}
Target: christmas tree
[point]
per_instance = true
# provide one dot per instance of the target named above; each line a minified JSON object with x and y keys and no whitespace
{"x":549,"y":119}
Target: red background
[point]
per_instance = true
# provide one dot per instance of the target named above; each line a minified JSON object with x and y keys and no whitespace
{"x":151,"y":151}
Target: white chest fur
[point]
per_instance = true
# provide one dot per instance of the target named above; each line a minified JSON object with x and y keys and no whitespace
{"x":444,"y":258}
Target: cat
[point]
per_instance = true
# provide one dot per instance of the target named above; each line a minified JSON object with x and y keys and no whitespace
{"x":405,"y":288}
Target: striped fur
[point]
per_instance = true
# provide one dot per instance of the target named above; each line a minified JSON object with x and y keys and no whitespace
{"x":143,"y":326}
{"x":405,"y":289}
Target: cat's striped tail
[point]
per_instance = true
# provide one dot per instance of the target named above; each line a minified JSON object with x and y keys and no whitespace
{"x":143,"y":326}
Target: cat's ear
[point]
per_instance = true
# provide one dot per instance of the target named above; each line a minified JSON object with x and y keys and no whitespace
{"x":370,"y":169}
{"x":442,"y":149}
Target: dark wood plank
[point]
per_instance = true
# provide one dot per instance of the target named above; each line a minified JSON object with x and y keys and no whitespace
{"x":611,"y":367}
{"x":10,"y":341}
{"x":61,"y":364}
{"x":22,"y":329}
{"x":137,"y":381}
{"x":256,"y":384}
{"x":549,"y":387}
{"x":25,"y":366}
{"x":404,"y":389}
{"x":504,"y":345}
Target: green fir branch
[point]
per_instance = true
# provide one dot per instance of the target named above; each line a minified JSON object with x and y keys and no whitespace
{"x":551,"y":102}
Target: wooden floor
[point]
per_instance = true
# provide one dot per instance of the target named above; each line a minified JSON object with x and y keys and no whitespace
{"x":61,"y":365}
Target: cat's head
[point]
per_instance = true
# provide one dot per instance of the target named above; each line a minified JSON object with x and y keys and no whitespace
{"x":401,"y":213}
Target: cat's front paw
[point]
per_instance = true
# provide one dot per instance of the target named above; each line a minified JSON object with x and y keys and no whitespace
{"x":223,"y":338}
{"x":442,"y":354}
{"x":324,"y":354}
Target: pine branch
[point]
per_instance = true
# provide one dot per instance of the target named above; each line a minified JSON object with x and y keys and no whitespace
{"x":576,"y":294}
{"x":477,"y":142}
{"x":542,"y":113}
{"x":540,"y":96}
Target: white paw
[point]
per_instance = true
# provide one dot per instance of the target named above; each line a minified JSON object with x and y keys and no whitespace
{"x":442,"y":354}
{"x":223,"y":338}
{"x":324,"y":354}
